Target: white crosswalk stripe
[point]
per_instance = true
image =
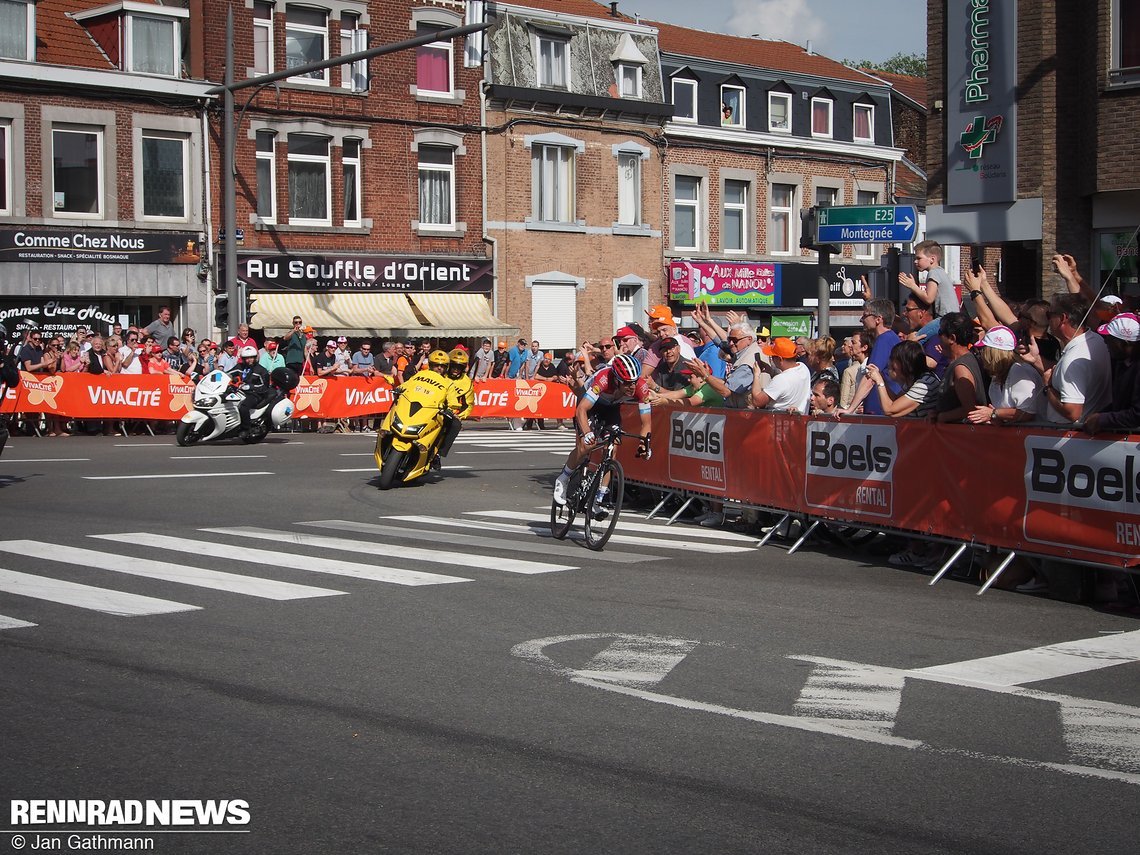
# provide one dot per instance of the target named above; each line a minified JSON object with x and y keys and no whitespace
{"x":627,"y":526}
{"x":370,"y":572}
{"x":12,"y":623}
{"x":165,"y":570}
{"x":86,"y":596}
{"x":439,"y":556}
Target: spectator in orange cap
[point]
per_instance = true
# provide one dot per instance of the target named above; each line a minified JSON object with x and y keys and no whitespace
{"x":664,"y":328}
{"x":788,"y":391}
{"x":502,"y":360}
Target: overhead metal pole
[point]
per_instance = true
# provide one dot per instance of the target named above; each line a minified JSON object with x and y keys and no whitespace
{"x":229,"y":87}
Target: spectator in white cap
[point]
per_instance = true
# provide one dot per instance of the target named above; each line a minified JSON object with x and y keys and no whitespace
{"x":343,"y":357}
{"x":1015,"y":386}
{"x":1121,"y":334}
{"x":1107,"y":307}
{"x":324,"y":363}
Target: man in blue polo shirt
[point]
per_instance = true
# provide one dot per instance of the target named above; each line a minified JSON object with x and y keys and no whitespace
{"x":518,"y":356}
{"x":878,"y":318}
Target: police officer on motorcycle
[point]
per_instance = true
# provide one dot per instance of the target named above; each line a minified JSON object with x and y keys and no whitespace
{"x":254,"y":383}
{"x":9,"y":377}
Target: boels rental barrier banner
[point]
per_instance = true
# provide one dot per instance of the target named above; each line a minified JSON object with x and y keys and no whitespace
{"x":168,"y":396}
{"x":1025,"y":489}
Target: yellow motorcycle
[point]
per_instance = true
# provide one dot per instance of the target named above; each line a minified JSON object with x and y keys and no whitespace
{"x":408,"y":442}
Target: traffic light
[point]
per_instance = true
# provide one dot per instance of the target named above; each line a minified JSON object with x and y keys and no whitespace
{"x":807,"y":228}
{"x":222,"y":311}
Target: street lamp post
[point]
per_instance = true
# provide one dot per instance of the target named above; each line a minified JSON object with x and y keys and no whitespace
{"x":227,"y":90}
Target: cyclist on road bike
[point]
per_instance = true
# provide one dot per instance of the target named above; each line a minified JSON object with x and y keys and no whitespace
{"x":612,"y":385}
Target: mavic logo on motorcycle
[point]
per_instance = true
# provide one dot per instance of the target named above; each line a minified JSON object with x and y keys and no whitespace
{"x":978,"y":134}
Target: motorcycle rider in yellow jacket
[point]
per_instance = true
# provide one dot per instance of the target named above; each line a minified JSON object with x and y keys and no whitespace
{"x":460,"y":398}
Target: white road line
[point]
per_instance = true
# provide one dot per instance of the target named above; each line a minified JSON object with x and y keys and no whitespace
{"x":437,"y":556}
{"x":142,"y":445}
{"x":529,"y":545}
{"x":1041,"y":663}
{"x":12,"y":623}
{"x":217,"y":456}
{"x":848,"y":694}
{"x":641,"y":661}
{"x":292,"y":560}
{"x":177,"y":475}
{"x":86,"y":596}
{"x":178,"y":573}
{"x":447,"y":467}
{"x":649,"y":528}
{"x":538,"y":530}
{"x":47,"y":460}
{"x":358,"y":454}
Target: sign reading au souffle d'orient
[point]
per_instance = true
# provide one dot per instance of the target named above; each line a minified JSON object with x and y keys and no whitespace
{"x":981,"y":104}
{"x":283,"y":272}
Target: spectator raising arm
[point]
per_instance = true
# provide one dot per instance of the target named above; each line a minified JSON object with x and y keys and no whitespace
{"x":1066,"y":266}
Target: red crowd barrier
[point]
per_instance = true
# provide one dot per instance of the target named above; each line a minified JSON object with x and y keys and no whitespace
{"x":168,"y":396}
{"x":1030,"y":490}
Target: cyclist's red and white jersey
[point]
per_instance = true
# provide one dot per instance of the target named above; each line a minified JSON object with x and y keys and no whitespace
{"x":603,"y":388}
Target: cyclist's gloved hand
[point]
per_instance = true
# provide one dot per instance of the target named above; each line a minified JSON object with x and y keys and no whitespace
{"x":588,"y":439}
{"x":643,"y":449}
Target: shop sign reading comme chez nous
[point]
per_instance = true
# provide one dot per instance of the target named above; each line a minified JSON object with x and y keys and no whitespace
{"x":100,"y":246}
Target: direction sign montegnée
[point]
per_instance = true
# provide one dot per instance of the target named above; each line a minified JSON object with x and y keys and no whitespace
{"x":867,"y":224}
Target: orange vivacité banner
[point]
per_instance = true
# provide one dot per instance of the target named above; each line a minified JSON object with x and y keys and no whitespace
{"x":1033,"y":490}
{"x":168,"y":396}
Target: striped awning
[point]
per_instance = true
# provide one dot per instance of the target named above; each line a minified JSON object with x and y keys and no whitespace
{"x":459,"y":315}
{"x":378,"y":315}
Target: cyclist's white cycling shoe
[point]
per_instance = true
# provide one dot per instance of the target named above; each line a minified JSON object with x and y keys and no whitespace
{"x":560,"y":489}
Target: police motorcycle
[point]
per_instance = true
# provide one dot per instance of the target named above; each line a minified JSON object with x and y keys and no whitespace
{"x":409,"y":440}
{"x":218,"y":404}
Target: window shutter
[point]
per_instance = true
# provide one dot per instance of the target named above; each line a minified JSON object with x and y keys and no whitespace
{"x":554,"y":315}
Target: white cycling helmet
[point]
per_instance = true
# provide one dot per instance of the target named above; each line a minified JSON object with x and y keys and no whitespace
{"x":248,"y":350}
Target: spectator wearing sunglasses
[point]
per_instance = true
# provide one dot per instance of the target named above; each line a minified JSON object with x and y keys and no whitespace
{"x":294,"y":346}
{"x":31,"y":356}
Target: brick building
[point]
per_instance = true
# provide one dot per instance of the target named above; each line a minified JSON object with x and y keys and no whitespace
{"x":359,"y":185}
{"x":102,"y":158}
{"x":761,"y":130}
{"x":574,"y":113}
{"x":1030,"y":137}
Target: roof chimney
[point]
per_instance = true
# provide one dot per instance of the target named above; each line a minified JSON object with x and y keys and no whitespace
{"x":808,"y":48}
{"x":613,"y":9}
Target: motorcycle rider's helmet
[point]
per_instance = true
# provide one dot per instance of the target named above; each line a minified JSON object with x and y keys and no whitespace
{"x":458,"y":365}
{"x":626,"y":368}
{"x":248,"y":351}
{"x":438,"y":361}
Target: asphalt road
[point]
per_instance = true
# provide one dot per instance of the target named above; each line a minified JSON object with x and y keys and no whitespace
{"x":435,"y":675}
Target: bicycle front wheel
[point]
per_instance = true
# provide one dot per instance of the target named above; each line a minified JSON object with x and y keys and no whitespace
{"x":562,"y":516}
{"x":602,"y":519}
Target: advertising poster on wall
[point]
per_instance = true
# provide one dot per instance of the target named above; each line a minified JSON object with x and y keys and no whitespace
{"x":725,"y":283}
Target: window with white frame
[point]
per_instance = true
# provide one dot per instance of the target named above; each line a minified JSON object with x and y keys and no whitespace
{"x":821,"y":117}
{"x":628,"y":80}
{"x":1125,"y":64}
{"x":155,"y":45}
{"x":310,"y":191}
{"x":437,"y":187}
{"x":863,"y":123}
{"x":629,"y":188}
{"x":780,"y":112}
{"x":350,"y":168}
{"x":782,"y":219}
{"x":553,"y":61}
{"x":354,"y":75}
{"x":732,"y":106}
{"x":826,"y":196}
{"x":165,"y":176}
{"x":77,"y":172}
{"x":266,"y":176}
{"x":262,"y":37}
{"x":306,"y":41}
{"x":5,"y":168}
{"x":734,"y":217}
{"x":552,"y":176}
{"x":865,"y":197}
{"x":686,"y":212}
{"x":554,"y":311}
{"x":435,"y":64}
{"x":684,"y":100}
{"x":17,"y":29}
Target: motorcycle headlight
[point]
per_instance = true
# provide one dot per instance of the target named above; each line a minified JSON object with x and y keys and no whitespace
{"x":409,"y":430}
{"x":207,"y":402}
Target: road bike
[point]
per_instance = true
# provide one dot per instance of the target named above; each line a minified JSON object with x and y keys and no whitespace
{"x":588,"y":477}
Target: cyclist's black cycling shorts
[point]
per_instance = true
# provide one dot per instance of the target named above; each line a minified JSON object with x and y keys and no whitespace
{"x":603,"y":415}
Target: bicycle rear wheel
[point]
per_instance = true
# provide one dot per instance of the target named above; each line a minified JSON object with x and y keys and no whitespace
{"x":562,"y":516}
{"x":598,"y":530}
